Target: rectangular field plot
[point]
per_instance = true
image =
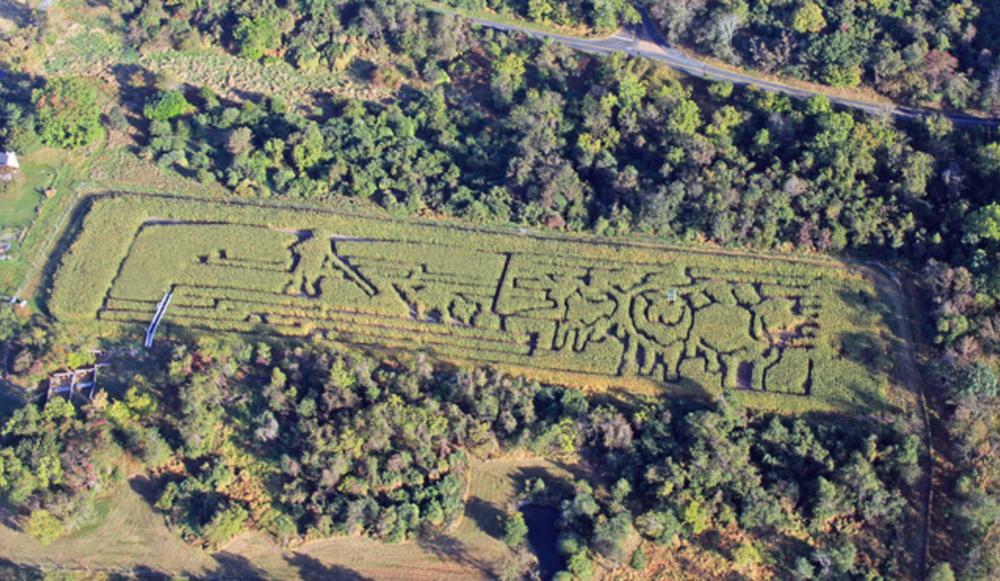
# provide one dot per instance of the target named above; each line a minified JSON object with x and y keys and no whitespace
{"x":773,"y":331}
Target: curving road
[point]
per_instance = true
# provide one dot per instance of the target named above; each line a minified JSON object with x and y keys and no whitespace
{"x":645,"y":41}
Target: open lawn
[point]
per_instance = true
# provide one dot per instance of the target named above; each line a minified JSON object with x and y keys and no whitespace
{"x":20,"y":198}
{"x":132,"y":536}
{"x":774,"y":331}
{"x":30,"y":218}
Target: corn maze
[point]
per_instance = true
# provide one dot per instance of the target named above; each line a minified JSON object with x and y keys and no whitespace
{"x":785,"y":332}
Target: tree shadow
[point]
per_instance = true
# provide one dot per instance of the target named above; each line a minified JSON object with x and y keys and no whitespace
{"x":146,"y":574}
{"x":17,"y":12}
{"x":134,"y":89}
{"x":145,"y":487}
{"x":452,"y":549}
{"x":235,"y":567}
{"x":361,"y":70}
{"x":8,"y":518}
{"x":312,"y":569}
{"x":19,"y":571}
{"x":487,"y":517}
{"x":13,"y":571}
{"x":556,"y":485}
{"x":865,"y":304}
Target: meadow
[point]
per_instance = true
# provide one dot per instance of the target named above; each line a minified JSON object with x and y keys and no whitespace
{"x":777,"y":332}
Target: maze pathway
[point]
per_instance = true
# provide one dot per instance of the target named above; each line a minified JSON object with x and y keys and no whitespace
{"x":579,"y":307}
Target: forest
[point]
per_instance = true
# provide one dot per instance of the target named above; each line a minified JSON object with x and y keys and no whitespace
{"x":939,"y":53}
{"x":313,"y":441}
{"x":916,"y":52}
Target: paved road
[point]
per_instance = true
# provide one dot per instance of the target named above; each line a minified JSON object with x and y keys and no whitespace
{"x":645,"y":41}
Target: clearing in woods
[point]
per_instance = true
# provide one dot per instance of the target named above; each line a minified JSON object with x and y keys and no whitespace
{"x":774,"y":331}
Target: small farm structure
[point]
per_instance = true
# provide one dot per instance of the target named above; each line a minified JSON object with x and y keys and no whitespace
{"x":9,"y":166}
{"x":78,"y":382}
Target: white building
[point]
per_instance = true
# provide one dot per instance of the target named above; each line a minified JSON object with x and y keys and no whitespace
{"x":8,"y":165}
{"x":9,"y":159}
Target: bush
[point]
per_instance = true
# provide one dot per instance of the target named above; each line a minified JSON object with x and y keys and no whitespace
{"x":67,"y":113}
{"x":43,"y":526}
{"x":166,"y":106}
{"x":639,"y":560}
{"x":941,"y":572}
{"x":226,"y":524}
{"x":515,"y":530}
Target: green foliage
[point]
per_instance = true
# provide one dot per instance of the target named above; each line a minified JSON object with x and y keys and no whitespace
{"x":67,"y":113}
{"x":392,"y":460}
{"x":808,"y":18}
{"x":941,"y":572}
{"x":256,"y":35}
{"x":685,"y":118}
{"x":845,"y":44}
{"x":515,"y":530}
{"x":227,"y":523}
{"x":746,"y":556}
{"x":508,"y":76}
{"x":42,"y":525}
{"x":167,"y":105}
{"x":580,"y":566}
{"x":975,"y":381}
{"x":639,"y":559}
{"x":984,"y":223}
{"x":56,"y":460}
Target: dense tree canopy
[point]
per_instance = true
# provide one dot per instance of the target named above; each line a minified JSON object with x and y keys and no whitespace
{"x":914,"y":51}
{"x":67,"y":113}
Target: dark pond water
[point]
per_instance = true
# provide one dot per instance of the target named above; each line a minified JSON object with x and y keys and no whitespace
{"x":542,"y":533}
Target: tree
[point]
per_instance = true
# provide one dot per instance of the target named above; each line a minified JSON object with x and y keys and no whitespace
{"x":10,"y":324}
{"x":256,"y":35}
{"x":941,"y":572}
{"x":42,"y":525}
{"x":67,"y":113}
{"x":539,"y":10}
{"x":610,"y":535}
{"x":685,"y":118}
{"x":515,"y":530}
{"x":580,"y":565}
{"x":239,"y":141}
{"x":166,"y":106}
{"x":976,"y":382}
{"x":984,"y":223}
{"x":225,"y":524}
{"x":639,"y":559}
{"x":808,"y":18}
{"x":508,"y":76}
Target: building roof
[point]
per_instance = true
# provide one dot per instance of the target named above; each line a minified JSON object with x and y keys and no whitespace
{"x":9,"y":159}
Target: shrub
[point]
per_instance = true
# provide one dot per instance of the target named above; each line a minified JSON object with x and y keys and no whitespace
{"x":639,"y":559}
{"x":67,"y":113}
{"x":515,"y":530}
{"x":166,"y":106}
{"x":42,"y":525}
{"x":225,"y":524}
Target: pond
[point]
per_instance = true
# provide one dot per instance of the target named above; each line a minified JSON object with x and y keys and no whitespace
{"x":542,"y":537}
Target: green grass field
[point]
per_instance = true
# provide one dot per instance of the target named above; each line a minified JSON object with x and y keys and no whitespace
{"x":19,"y":200}
{"x":774,"y":331}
